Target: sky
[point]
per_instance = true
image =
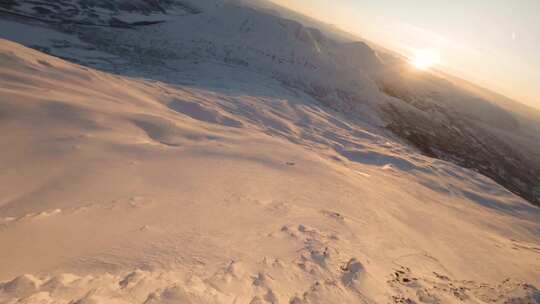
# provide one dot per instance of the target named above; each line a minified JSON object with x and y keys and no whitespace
{"x":493,"y":43}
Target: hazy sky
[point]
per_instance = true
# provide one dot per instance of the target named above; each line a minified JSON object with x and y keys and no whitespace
{"x":495,"y":43}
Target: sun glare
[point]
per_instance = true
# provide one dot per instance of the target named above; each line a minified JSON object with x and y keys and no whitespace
{"x":424,"y":59}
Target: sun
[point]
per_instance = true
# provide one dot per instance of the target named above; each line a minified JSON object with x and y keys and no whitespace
{"x":424,"y":59}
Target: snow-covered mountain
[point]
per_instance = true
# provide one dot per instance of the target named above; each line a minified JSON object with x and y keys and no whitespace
{"x":219,"y":152}
{"x":438,"y":116}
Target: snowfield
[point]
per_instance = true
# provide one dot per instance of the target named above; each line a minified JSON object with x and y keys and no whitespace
{"x":180,"y":41}
{"x":124,"y":190}
{"x":252,"y":160}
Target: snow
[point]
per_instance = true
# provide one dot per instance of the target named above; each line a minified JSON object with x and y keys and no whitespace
{"x":235,"y":156}
{"x":235,"y":190}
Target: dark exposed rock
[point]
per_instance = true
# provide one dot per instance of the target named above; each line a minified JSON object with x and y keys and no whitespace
{"x":442,"y":133}
{"x":84,"y":12}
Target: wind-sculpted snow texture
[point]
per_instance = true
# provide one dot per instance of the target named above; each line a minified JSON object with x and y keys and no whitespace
{"x":193,"y":168}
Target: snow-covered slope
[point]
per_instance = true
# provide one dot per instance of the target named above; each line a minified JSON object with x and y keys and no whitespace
{"x":164,"y":40}
{"x":132,"y":191}
{"x":202,"y":169}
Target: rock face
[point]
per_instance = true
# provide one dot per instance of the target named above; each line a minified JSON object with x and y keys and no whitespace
{"x":164,"y":37}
